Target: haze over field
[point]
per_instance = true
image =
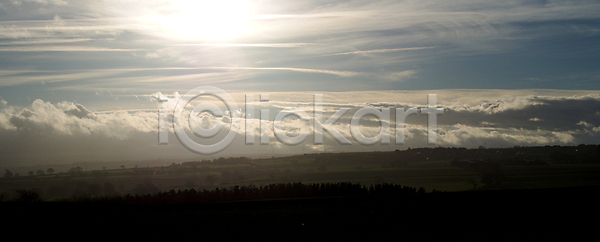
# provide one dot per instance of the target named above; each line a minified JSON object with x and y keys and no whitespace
{"x":80,"y":80}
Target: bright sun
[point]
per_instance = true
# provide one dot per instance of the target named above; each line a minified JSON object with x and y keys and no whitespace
{"x":206,"y":20}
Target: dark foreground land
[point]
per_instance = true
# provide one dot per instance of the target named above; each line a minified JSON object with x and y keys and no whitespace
{"x":501,"y":215}
{"x":512,"y":194}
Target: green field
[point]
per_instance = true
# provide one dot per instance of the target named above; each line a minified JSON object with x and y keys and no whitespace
{"x":327,"y":168}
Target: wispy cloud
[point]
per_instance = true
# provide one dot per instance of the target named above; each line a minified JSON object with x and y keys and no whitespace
{"x":270,"y":45}
{"x":128,"y":110}
{"x":27,"y":77}
{"x":120,"y":50}
{"x":384,"y":50}
{"x":67,"y":120}
{"x":331,"y":72}
{"x":60,"y":49}
{"x":45,"y":41}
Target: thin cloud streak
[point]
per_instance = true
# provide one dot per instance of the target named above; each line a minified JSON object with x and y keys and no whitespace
{"x":273,"y":45}
{"x":14,"y":80}
{"x":331,"y":72}
{"x":384,"y":50}
{"x":356,"y":53}
{"x":45,"y":41}
{"x":129,"y":110}
{"x":61,"y":49}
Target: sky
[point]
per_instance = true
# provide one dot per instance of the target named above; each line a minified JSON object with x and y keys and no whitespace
{"x":87,"y":80}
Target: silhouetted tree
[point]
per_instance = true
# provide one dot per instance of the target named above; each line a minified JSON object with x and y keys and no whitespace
{"x":122,"y":166}
{"x":75,"y":170}
{"x":50,"y":170}
{"x":8,"y":173}
{"x":472,"y":181}
{"x":31,"y":195}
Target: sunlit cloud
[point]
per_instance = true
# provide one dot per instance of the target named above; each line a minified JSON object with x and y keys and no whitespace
{"x":384,"y":50}
{"x":85,"y":74}
{"x":66,"y":120}
{"x":331,"y":72}
{"x":271,"y":45}
{"x":60,"y":49}
{"x":44,"y":41}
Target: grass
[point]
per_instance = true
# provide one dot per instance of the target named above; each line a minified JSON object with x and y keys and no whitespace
{"x":429,"y":174}
{"x":557,"y":175}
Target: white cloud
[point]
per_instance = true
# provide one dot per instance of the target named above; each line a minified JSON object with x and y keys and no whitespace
{"x":462,"y":135}
{"x":380,"y":51}
{"x":67,"y":128}
{"x":61,"y":48}
{"x":66,"y":118}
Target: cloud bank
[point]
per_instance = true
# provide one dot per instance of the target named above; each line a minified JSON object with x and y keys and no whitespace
{"x":51,"y":132}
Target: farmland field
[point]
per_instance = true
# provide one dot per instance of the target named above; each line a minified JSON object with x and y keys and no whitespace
{"x":362,"y":168}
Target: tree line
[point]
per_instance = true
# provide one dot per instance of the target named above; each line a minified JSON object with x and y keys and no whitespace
{"x":238,"y":193}
{"x":9,"y":174}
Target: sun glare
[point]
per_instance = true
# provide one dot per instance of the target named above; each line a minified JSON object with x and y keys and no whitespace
{"x":207,"y":20}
